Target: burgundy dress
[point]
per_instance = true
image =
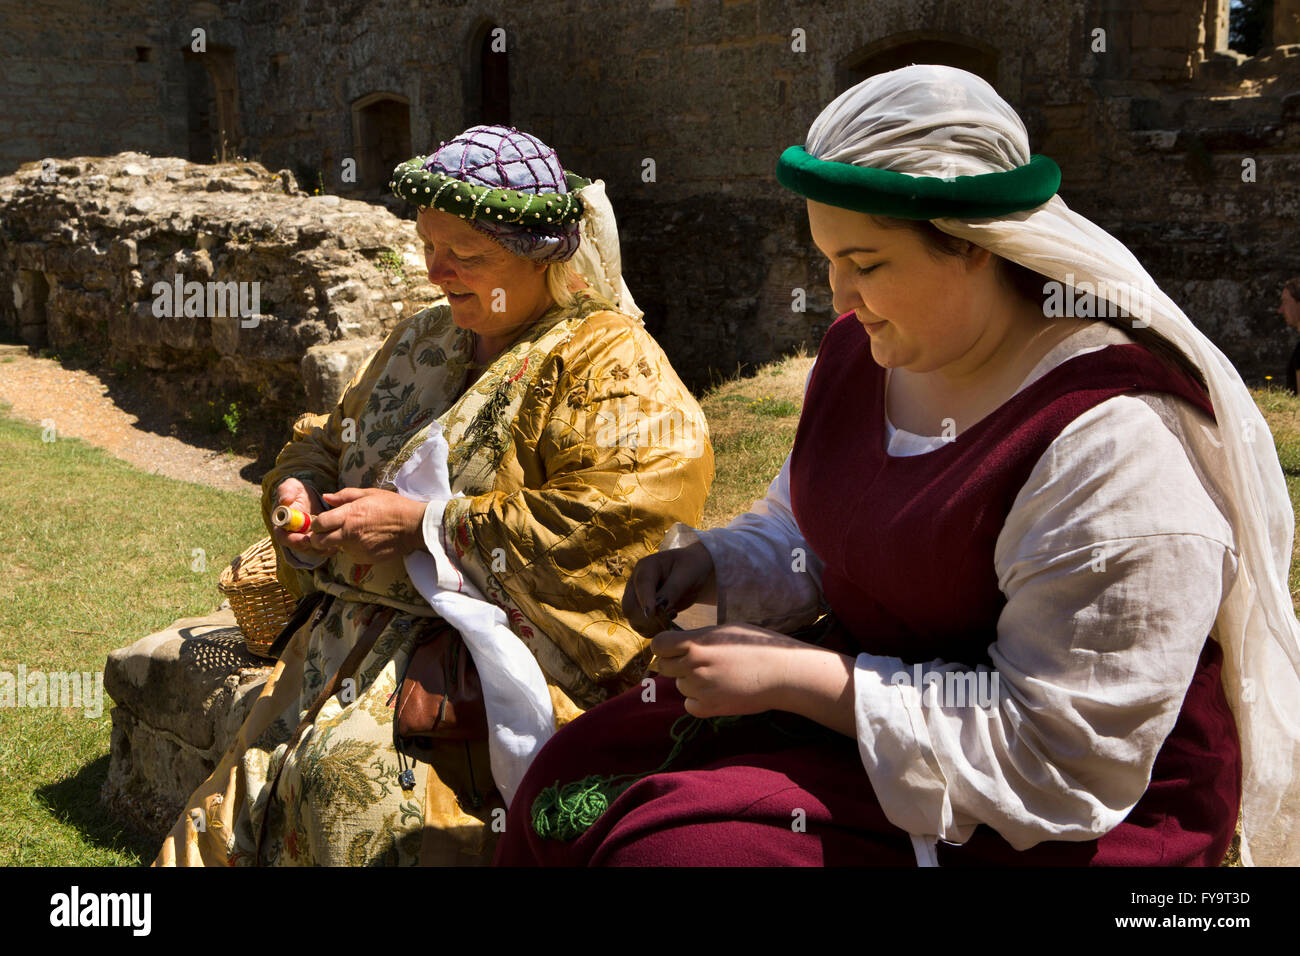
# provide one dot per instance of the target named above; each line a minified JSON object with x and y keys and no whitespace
{"x":735,"y":796}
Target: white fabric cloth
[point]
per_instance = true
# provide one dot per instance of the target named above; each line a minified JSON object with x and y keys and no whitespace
{"x":941,"y":121}
{"x":520,"y":714}
{"x":1093,"y":703}
{"x":598,"y":259}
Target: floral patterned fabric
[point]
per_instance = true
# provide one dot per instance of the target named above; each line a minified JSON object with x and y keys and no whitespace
{"x":574,"y":451}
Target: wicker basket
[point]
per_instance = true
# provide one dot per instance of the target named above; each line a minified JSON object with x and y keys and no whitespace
{"x":261,"y":604}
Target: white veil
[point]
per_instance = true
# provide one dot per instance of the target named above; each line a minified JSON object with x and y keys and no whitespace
{"x":941,"y":121}
{"x":598,"y":259}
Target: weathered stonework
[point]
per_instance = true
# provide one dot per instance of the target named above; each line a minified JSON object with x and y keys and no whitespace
{"x":91,"y":246}
{"x":1147,"y":110}
{"x":180,"y":697}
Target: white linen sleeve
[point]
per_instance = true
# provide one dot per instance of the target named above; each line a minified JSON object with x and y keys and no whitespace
{"x":1114,"y":560}
{"x":767,"y":575}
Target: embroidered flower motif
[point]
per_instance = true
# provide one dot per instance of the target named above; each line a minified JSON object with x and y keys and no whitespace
{"x":619,"y":373}
{"x":617,"y":564}
{"x":517,"y":622}
{"x":643,"y":367}
{"x":577,"y":397}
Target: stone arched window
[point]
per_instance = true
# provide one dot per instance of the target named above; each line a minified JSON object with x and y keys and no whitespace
{"x":487,"y":87}
{"x":381,"y":136}
{"x":918,"y":46}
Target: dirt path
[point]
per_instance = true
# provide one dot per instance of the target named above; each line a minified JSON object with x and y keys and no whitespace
{"x":76,"y":401}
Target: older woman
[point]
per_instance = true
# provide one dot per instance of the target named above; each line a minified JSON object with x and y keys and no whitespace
{"x":565,"y":447}
{"x":1054,"y":552}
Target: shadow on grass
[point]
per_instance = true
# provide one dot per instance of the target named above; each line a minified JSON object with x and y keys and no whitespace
{"x":75,"y":801}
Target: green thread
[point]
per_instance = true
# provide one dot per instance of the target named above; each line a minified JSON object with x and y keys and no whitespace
{"x":564,"y":812}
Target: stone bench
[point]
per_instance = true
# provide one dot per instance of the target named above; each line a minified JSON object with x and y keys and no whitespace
{"x":181,"y":696}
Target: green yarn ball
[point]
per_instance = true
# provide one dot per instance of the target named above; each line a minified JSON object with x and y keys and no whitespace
{"x":566,"y":812}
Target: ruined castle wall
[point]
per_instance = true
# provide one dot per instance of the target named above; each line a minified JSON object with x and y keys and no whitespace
{"x":1197,"y":170}
{"x":214,"y":280}
{"x":709,"y":91}
{"x":1150,"y":137}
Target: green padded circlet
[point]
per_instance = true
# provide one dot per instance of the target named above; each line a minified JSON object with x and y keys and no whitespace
{"x":884,"y":192}
{"x":472,"y":201}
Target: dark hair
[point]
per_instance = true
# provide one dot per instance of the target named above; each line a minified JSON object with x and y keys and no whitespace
{"x":1292,"y":285}
{"x":1028,"y":285}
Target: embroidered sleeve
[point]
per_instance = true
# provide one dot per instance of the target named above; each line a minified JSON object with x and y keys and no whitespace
{"x":1114,"y":560}
{"x":621,"y":453}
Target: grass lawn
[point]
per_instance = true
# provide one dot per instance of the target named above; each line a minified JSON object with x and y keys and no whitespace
{"x":100,"y":554}
{"x":1281,"y":410}
{"x":97,"y":555}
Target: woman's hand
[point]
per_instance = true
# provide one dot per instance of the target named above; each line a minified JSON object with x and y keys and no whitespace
{"x":740,"y":669}
{"x":663,"y":584}
{"x":370,"y":525}
{"x":295,"y":494}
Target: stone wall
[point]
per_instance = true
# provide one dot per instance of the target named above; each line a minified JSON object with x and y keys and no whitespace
{"x":180,"y":697}
{"x":712,"y":90}
{"x":77,"y":82}
{"x":1203,"y":184}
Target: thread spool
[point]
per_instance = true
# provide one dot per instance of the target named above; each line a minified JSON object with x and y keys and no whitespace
{"x":291,"y":519}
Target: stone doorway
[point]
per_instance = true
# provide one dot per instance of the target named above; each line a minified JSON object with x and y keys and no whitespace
{"x":31,"y":290}
{"x":487,"y":91}
{"x":381,"y":131}
{"x":212,"y":97}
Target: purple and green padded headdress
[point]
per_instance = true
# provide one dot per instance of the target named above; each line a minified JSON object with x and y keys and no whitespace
{"x":506,"y":184}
